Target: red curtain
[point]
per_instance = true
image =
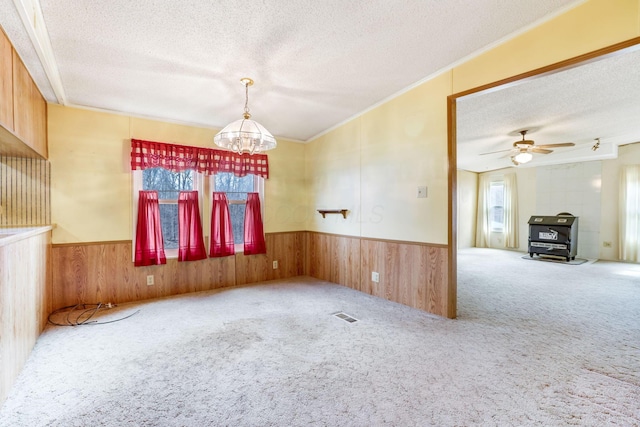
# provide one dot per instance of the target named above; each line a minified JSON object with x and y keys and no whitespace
{"x":190,"y":241}
{"x":221,"y":241}
{"x":178,"y":158}
{"x":253,"y":230}
{"x":149,"y":243}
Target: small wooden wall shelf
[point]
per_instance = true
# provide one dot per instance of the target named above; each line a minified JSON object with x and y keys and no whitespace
{"x":323,"y":212}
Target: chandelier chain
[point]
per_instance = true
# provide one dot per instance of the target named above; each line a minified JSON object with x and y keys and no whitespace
{"x":246,"y":101}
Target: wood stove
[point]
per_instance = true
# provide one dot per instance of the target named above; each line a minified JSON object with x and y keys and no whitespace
{"x":554,"y":236}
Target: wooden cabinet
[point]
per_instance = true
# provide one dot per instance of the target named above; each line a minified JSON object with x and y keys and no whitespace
{"x":29,"y":109}
{"x":6,"y":82}
{"x":23,"y":110}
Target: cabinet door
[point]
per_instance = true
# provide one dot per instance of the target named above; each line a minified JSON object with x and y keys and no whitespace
{"x":29,"y":109}
{"x":6,"y":82}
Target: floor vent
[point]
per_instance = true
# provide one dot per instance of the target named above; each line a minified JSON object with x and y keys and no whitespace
{"x":346,"y":317}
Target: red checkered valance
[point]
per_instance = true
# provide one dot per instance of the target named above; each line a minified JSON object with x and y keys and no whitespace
{"x":178,"y":158}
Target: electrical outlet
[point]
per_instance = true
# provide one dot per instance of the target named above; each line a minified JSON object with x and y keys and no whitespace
{"x":422,"y":192}
{"x":606,"y":244}
{"x":150,"y":281}
{"x":275,"y":265}
{"x":375,"y":276}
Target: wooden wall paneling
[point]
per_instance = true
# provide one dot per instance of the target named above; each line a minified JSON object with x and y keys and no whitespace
{"x":372,"y":258}
{"x":320,"y":256}
{"x":204,"y":275}
{"x":222,"y":272}
{"x":438,"y":301}
{"x":411,"y":274}
{"x":23,"y":303}
{"x":289,"y":255}
{"x":413,"y":280}
{"x":165,"y":281}
{"x":306,"y":253}
{"x":24,"y":191}
{"x":40,"y":255}
{"x":69,"y":275}
{"x":252,"y":268}
{"x":48,"y":294}
{"x":104,"y":272}
{"x":6,"y":82}
{"x":345,"y":261}
{"x":172,"y":280}
{"x":7,"y":375}
{"x":287,"y":249}
{"x":193,"y":275}
{"x":121,"y":275}
{"x":366,"y":266}
{"x":278,"y":246}
{"x":99,"y":258}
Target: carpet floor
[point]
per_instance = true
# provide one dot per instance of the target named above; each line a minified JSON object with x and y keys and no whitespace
{"x":534,"y":344}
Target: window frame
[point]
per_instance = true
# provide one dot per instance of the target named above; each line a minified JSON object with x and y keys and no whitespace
{"x":137,"y":185}
{"x":258,"y":187}
{"x":493,"y":184}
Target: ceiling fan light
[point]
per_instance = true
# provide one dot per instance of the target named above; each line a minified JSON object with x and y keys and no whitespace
{"x":523,"y":157}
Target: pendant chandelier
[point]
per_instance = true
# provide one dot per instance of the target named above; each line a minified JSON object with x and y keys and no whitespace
{"x":245,"y":135}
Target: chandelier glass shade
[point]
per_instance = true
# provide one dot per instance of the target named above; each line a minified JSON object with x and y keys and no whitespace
{"x":245,"y":135}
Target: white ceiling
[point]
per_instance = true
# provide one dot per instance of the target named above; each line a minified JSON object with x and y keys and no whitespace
{"x":600,"y":99}
{"x":316,"y":63}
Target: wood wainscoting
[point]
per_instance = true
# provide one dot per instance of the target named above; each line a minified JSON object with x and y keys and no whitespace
{"x":25,"y":287}
{"x":413,"y":274}
{"x":104,"y":271}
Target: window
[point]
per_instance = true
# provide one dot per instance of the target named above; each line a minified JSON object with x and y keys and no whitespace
{"x":168,"y":184}
{"x":629,"y":222}
{"x":496,"y":206}
{"x":236,"y":189}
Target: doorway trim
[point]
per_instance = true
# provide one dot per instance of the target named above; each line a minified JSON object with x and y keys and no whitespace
{"x":615,"y":49}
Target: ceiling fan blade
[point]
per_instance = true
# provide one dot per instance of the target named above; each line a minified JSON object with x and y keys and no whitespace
{"x":510,"y":154}
{"x":494,"y":152}
{"x":540,"y":150}
{"x":563,"y":144}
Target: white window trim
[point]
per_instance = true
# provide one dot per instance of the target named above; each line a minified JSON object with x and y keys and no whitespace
{"x":491,"y":184}
{"x":258,"y":185}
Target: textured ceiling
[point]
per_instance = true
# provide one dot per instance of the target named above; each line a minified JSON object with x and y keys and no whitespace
{"x":600,"y":99}
{"x":315,"y":63}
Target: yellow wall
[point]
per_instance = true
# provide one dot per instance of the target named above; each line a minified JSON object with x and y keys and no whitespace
{"x":374,"y":164}
{"x":590,"y":26}
{"x":467,"y":208}
{"x":333,"y":180}
{"x":371,"y":165}
{"x":91,"y":179}
{"x":403,"y":143}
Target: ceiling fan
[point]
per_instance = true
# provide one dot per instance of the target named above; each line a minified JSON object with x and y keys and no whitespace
{"x":522,"y":150}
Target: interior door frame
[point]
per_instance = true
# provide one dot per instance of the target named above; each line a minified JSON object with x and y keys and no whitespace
{"x":615,"y":49}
